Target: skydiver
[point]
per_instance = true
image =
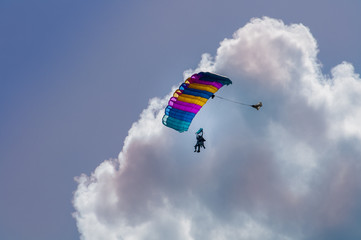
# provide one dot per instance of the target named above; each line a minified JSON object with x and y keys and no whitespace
{"x":257,"y":106}
{"x":200,"y":140}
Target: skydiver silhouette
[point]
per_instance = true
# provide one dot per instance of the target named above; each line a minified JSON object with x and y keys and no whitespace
{"x":257,"y":106}
{"x":200,"y":140}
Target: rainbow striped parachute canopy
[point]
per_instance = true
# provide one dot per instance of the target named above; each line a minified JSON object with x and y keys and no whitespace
{"x":190,"y":97}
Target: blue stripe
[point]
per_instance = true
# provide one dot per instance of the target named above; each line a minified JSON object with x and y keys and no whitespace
{"x":179,"y":114}
{"x":211,"y":77}
{"x":179,"y":125}
{"x":195,"y":92}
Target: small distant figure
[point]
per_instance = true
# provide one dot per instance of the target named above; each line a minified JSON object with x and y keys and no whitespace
{"x":257,"y":106}
{"x":200,"y":140}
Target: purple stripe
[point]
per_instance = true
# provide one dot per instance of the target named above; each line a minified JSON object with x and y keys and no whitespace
{"x":184,"y":106}
{"x":215,"y":84}
{"x":195,"y":76}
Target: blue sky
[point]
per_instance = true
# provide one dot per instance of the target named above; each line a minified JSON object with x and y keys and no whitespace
{"x":76,"y":75}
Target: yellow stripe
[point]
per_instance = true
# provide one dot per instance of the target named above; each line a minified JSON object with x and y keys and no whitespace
{"x":192,"y":99}
{"x":208,"y":88}
{"x":177,"y":93}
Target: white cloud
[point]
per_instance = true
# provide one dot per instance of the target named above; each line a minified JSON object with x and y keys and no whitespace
{"x":288,"y":171}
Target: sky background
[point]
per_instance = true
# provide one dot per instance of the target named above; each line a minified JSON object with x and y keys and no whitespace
{"x":76,"y":75}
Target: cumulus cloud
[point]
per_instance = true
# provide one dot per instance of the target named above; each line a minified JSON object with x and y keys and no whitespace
{"x":288,"y":171}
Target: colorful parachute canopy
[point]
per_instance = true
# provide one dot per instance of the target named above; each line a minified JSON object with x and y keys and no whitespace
{"x":190,"y":97}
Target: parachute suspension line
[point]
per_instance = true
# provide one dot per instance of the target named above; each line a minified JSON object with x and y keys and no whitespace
{"x":256,"y":106}
{"x":229,"y":100}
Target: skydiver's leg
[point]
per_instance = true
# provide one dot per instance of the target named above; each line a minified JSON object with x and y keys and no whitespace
{"x":196,"y":147}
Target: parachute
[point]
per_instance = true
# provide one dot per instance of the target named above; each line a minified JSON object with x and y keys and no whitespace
{"x":190,"y":97}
